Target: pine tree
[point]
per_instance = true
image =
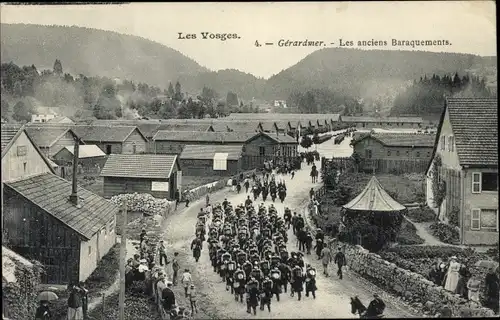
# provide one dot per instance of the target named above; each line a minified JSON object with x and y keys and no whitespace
{"x":170,"y":91}
{"x":58,"y":69}
{"x":178,"y":92}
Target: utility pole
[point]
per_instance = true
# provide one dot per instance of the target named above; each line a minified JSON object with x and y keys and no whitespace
{"x":123,"y":253}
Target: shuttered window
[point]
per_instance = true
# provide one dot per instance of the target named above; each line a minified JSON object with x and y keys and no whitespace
{"x":451,"y":143}
{"x":476,"y":182}
{"x":443,"y":143}
{"x":220,"y":161}
{"x":475,"y":221}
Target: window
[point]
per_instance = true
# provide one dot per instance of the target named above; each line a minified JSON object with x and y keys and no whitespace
{"x":111,"y":227}
{"x":475,"y":221}
{"x":484,"y":181}
{"x":476,"y":182}
{"x":262,"y":151}
{"x":22,"y":151}
{"x":489,"y":219}
{"x":134,"y":148}
{"x":389,"y":153}
{"x":397,"y":153}
{"x":105,"y":231}
{"x":443,"y":143}
{"x":90,"y":250}
{"x":489,"y":181}
{"x":368,"y":154}
{"x":24,"y":166}
{"x":418,"y":154}
{"x":108,"y":149}
{"x":450,"y":143}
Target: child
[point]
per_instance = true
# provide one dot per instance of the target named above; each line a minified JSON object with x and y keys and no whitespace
{"x":175,"y":268}
{"x":186,"y":281}
{"x":192,"y":299}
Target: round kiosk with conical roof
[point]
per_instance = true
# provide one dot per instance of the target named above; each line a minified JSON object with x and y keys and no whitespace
{"x":373,"y":219}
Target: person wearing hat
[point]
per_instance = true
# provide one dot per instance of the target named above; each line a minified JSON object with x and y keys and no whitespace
{"x":452,"y":276}
{"x":376,"y":307}
{"x":326,"y":258}
{"x":43,"y":311}
{"x":319,"y":247}
{"x":492,"y":289}
{"x":340,"y":260}
{"x":192,"y":298}
{"x":159,"y":286}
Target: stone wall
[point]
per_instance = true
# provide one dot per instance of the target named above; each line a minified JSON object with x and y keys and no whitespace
{"x":412,"y":287}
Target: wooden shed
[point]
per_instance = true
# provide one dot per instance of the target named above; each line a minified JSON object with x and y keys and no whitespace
{"x":50,"y":139}
{"x":113,"y":139}
{"x":158,"y":175}
{"x":213,"y":160}
{"x":89,"y":156}
{"x":67,"y":235}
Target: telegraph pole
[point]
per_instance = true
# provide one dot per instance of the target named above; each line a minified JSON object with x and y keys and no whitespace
{"x":123,"y":253}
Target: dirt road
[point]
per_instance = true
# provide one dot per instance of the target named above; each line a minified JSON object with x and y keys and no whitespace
{"x":332,"y":296}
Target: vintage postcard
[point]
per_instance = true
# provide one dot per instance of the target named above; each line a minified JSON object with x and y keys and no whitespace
{"x":278,"y":160}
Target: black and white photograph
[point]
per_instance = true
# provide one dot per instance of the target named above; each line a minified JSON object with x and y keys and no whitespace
{"x":249,"y":160}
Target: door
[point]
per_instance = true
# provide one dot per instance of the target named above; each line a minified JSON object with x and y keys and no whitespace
{"x":108,"y":149}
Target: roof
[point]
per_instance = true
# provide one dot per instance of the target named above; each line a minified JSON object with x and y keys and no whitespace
{"x":282,"y":116}
{"x":149,"y":166}
{"x":46,"y":136}
{"x":51,"y":193}
{"x":60,"y":119}
{"x":474,"y":122}
{"x":10,"y":133}
{"x":86,"y":151}
{"x":108,"y":133}
{"x":243,"y":126}
{"x":280,"y":138}
{"x":220,"y":137}
{"x":206,"y":152}
{"x":268,"y":125}
{"x":374,"y":198}
{"x":388,"y":119}
{"x":400,"y":139}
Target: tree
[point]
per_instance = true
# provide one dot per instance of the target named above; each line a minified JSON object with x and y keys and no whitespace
{"x":170,"y":91}
{"x":58,"y":69}
{"x":315,"y":138}
{"x":306,"y":142}
{"x":22,"y":112}
{"x":178,"y":92}
{"x":5,"y":109}
{"x":231,"y":99}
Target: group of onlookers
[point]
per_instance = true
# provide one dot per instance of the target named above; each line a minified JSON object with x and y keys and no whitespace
{"x":456,"y":277}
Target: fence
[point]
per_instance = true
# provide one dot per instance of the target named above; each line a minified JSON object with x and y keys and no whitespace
{"x":396,"y":166}
{"x":66,"y":172}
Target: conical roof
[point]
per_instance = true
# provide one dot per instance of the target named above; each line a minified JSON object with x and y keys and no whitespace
{"x":374,"y":198}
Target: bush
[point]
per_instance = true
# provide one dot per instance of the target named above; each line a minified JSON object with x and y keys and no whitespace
{"x":105,"y":273}
{"x":453,"y":216}
{"x":422,"y":214}
{"x":494,"y":252}
{"x":408,"y":234}
{"x":430,"y":252}
{"x":445,"y":232}
{"x":137,"y":306}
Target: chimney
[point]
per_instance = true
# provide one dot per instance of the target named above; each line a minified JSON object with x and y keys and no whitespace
{"x":74,"y":187}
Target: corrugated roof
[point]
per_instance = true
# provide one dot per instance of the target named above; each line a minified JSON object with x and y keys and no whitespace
{"x":374,"y":198}
{"x":268,"y":125}
{"x":104,"y":133}
{"x":207,"y":152}
{"x":60,"y":119}
{"x":9,"y":131}
{"x":475,"y":127}
{"x":46,"y":136}
{"x":402,"y":139}
{"x":51,"y":193}
{"x":283,"y":116}
{"x":281,"y":138}
{"x":189,"y":136}
{"x":86,"y":151}
{"x":150,"y":166}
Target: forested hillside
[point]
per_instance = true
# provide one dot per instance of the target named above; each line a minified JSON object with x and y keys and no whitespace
{"x":26,"y":91}
{"x":426,"y":96}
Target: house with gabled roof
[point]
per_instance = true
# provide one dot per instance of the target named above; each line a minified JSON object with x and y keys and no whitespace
{"x":465,"y":163}
{"x":51,"y":139}
{"x":156,"y":174}
{"x":47,"y":218}
{"x":113,"y":139}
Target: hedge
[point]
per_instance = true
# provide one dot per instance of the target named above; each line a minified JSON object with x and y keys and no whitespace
{"x":445,"y":232}
{"x":431,"y":252}
{"x":422,"y":214}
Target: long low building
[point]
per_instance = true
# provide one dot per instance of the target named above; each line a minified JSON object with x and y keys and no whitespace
{"x":388,"y":122}
{"x":213,"y":160}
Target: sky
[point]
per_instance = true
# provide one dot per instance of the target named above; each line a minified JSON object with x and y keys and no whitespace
{"x":470,"y":27}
